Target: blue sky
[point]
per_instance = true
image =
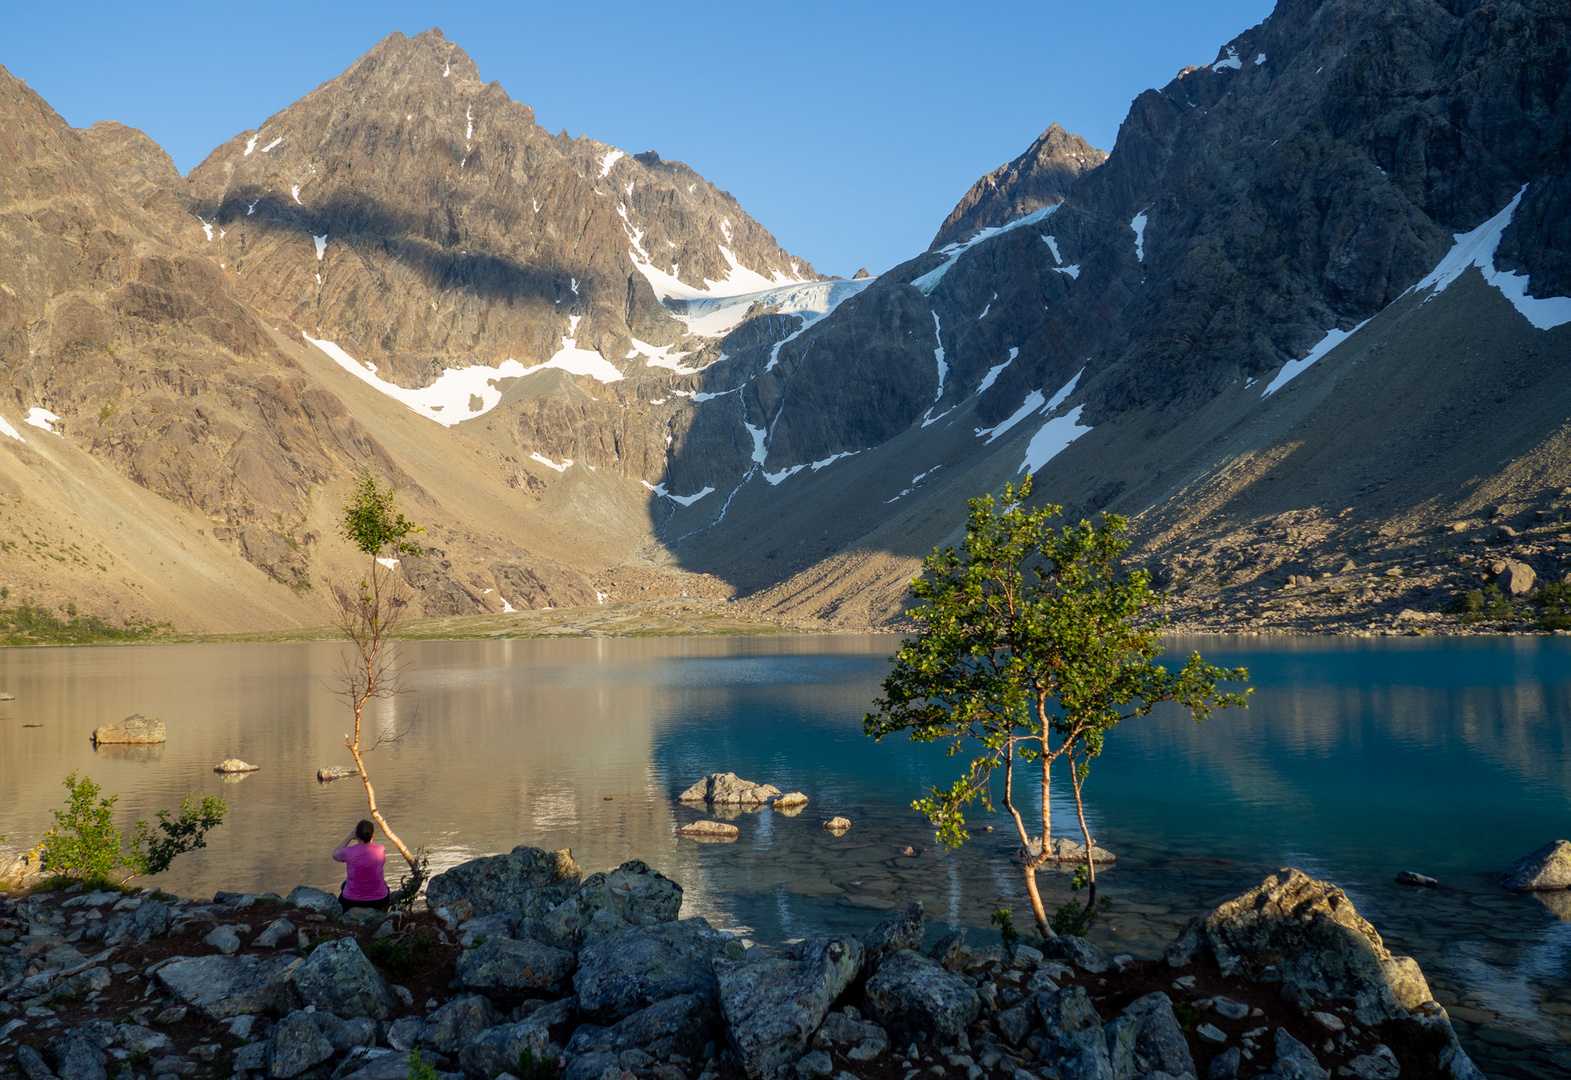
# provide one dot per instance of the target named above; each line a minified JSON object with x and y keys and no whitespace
{"x":849,"y":129}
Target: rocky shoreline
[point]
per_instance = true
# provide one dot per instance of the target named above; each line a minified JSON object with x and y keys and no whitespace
{"x":522,"y":967}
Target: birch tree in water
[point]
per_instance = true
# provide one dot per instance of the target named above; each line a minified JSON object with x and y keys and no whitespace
{"x":1030,"y":647}
{"x":368,"y":617}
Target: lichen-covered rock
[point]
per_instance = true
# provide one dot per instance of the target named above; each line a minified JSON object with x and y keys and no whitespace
{"x":77,"y":1057}
{"x":709,"y":830}
{"x":913,"y":996}
{"x":1066,"y":1011}
{"x":222,"y":986}
{"x":498,"y":1049}
{"x":147,"y":920}
{"x":1158,"y":1037}
{"x":458,"y":1023}
{"x":773,"y":1006}
{"x":727,"y":788}
{"x":135,"y":729}
{"x":278,"y":932}
{"x":847,"y":1029}
{"x":515,"y":965}
{"x":902,"y":931}
{"x":624,"y":972}
{"x":1549,"y":867}
{"x":1306,"y":935}
{"x":678,"y":1025}
{"x":1295,"y":1061}
{"x":632,"y":892}
{"x":1078,"y":951}
{"x":296,"y":1044}
{"x":337,"y":978}
{"x":317,"y":900}
{"x":1061,"y":849}
{"x":234,"y":765}
{"x":525,"y":883}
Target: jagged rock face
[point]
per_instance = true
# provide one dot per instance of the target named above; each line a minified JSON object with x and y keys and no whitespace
{"x":446,"y":227}
{"x":1042,"y":176}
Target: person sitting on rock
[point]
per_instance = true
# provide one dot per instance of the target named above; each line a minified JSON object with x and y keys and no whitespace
{"x":365,"y":885}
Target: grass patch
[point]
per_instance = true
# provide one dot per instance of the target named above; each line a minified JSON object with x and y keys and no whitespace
{"x":401,"y":956}
{"x":29,"y":624}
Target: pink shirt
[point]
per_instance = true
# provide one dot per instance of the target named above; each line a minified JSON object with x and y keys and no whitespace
{"x":363,"y":862}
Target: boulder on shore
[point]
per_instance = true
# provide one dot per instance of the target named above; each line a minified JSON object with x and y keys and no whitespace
{"x":729,"y":789}
{"x":1547,"y":868}
{"x":773,"y":1006}
{"x":525,"y":883}
{"x":135,"y":729}
{"x":1306,"y":935}
{"x":223,"y":986}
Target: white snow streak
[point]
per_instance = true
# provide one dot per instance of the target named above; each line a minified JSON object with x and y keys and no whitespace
{"x":559,"y":466}
{"x":7,"y":429}
{"x":1073,"y":270}
{"x":1034,"y":401}
{"x":938,"y":356}
{"x":447,"y":400}
{"x":42,"y":418}
{"x":1139,"y":225}
{"x":1294,"y":368}
{"x":661,"y":356}
{"x":1260,"y":59}
{"x":611,"y":158}
{"x":207,"y":228}
{"x":760,"y":451}
{"x":684,"y":500}
{"x":250,"y":145}
{"x":929,"y":281}
{"x":270,"y":147}
{"x":993,"y":372}
{"x":1053,"y":245}
{"x":469,"y":115}
{"x":1051,"y":439}
{"x":389,"y":563}
{"x":1477,"y":248}
{"x":295,"y":191}
{"x":321,"y":245}
{"x":1231,"y":60}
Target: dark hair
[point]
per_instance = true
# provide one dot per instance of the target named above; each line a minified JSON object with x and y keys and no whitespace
{"x":365,"y":830}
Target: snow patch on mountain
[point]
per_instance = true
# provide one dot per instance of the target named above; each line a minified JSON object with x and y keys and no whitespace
{"x":575,"y":361}
{"x":7,"y":429}
{"x":42,"y":418}
{"x":1294,"y":368}
{"x":929,"y":281}
{"x":559,"y":466}
{"x":449,"y":400}
{"x":684,"y":500}
{"x":1052,"y":438}
{"x":1034,"y":401}
{"x":1139,"y":226}
{"x":611,"y":158}
{"x":997,"y":369}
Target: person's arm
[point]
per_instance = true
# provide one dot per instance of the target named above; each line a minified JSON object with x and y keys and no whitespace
{"x":338,"y":852}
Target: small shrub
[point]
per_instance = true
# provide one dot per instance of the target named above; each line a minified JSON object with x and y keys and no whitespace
{"x":85,"y":844}
{"x":419,"y":1069}
{"x":1003,"y":918}
{"x":401,"y":955}
{"x":535,"y":1066}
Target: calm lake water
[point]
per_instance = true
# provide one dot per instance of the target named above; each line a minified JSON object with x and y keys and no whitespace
{"x":1356,"y":759}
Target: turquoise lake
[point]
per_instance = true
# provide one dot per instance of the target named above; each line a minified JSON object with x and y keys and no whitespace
{"x":1356,"y":759}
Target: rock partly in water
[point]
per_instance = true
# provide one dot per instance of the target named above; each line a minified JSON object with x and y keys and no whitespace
{"x":837,"y":825}
{"x":338,"y":978}
{"x":333,"y":772}
{"x":624,"y":972}
{"x":234,"y":765}
{"x":772,"y":1006}
{"x":1412,"y":877}
{"x":709,"y":830}
{"x":222,"y":986}
{"x":1547,"y":868}
{"x":913,"y":997}
{"x":525,"y":883}
{"x":790,"y":800}
{"x":1064,"y":850}
{"x":727,"y":788}
{"x":1306,"y":935}
{"x":134,"y":729}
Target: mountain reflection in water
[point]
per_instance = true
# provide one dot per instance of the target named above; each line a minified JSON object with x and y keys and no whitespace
{"x":1356,"y":759}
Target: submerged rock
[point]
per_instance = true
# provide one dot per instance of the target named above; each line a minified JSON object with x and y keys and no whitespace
{"x":135,"y":729}
{"x":727,"y":788}
{"x":1549,"y":867}
{"x":1306,"y":935}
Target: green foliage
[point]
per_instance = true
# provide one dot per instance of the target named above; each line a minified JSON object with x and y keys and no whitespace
{"x":28,"y":624}
{"x":1074,"y":917}
{"x":402,"y":955}
{"x":534,"y":1066}
{"x":1030,"y":646}
{"x":372,"y":523}
{"x":86,"y":844}
{"x":1554,"y":605}
{"x":403,"y":898}
{"x":420,"y":1069}
{"x":1003,"y":918}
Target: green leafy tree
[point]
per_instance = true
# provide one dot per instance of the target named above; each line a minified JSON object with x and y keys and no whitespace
{"x":1030,"y":648}
{"x":372,"y":522}
{"x":85,"y":842}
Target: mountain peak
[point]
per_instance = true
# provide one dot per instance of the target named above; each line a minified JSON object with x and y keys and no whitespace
{"x":1039,"y":177}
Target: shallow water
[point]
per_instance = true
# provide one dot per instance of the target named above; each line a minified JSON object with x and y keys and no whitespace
{"x":1356,"y":759}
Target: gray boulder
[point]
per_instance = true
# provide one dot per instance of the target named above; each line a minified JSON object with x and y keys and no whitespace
{"x":1549,"y":867}
{"x":337,"y":978}
{"x":139,"y":925}
{"x":224,"y":939}
{"x":498,"y":1050}
{"x":1158,"y":1037}
{"x":729,"y":789}
{"x":515,"y":965}
{"x":525,"y":883}
{"x":296,"y":1044}
{"x":678,"y":1025}
{"x":1077,"y":951}
{"x":1122,"y":1034}
{"x":1516,"y":578}
{"x":139,"y":1039}
{"x":856,"y":1039}
{"x":483,"y":929}
{"x":34,"y":1067}
{"x":377,"y":1065}
{"x":1306,"y":935}
{"x":458,"y":1023}
{"x":902,"y":931}
{"x":317,"y":900}
{"x":1295,"y":1061}
{"x":1015,"y":1023}
{"x":1067,"y":1011}
{"x":773,"y":1006}
{"x":1083,"y":1056}
{"x":624,"y":972}
{"x":280,"y":931}
{"x":912,"y":995}
{"x":1380,"y":1064}
{"x":135,"y":729}
{"x":632,"y":892}
{"x":222,"y":986}
{"x":77,"y":1057}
